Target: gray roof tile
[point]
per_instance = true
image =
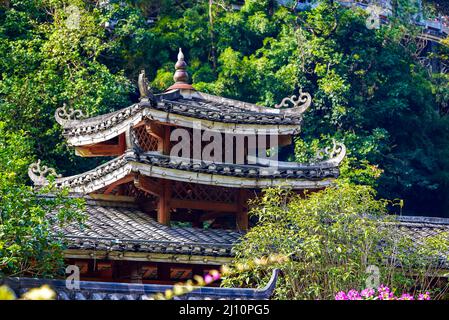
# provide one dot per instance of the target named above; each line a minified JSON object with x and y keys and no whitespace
{"x":114,"y":227}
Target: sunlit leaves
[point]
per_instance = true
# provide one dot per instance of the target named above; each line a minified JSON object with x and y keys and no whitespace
{"x":27,"y":244}
{"x":331,"y":237}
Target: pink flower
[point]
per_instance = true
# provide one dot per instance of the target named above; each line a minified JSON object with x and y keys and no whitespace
{"x":354,"y":295}
{"x":341,"y":296}
{"x":385,"y":293}
{"x":425,"y":296}
{"x":406,"y":296}
{"x":383,"y":289}
{"x":386,"y":296}
{"x":367,"y":293}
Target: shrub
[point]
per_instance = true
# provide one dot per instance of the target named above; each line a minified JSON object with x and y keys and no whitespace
{"x":332,"y":238}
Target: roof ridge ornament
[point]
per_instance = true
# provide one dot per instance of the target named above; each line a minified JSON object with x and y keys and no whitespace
{"x":144,"y":87}
{"x":66,"y":114}
{"x":181,"y":76}
{"x":297,"y":104}
{"x":38,"y":173}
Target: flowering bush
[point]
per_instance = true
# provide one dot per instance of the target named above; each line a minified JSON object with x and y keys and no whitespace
{"x":333,"y":246}
{"x":383,"y":293}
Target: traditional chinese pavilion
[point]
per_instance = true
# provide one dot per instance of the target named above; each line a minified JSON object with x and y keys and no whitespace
{"x":160,"y":211}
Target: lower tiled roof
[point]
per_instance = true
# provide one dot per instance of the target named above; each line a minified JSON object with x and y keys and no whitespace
{"x":113,"y":227}
{"x":154,"y":164}
{"x":419,"y":228}
{"x":91,"y":290}
{"x":294,"y":171}
{"x":116,"y":226}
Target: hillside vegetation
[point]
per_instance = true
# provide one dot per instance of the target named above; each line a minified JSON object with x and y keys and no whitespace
{"x":370,"y":89}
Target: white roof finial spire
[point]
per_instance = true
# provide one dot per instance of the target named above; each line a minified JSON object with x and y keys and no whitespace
{"x":181,"y":75}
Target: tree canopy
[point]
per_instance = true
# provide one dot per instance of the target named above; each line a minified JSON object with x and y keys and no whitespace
{"x":27,"y":244}
{"x":370,"y":88}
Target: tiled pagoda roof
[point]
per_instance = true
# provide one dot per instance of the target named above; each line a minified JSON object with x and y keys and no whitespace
{"x":123,"y":227}
{"x":156,"y":165}
{"x":215,"y":113}
{"x":118,"y":226}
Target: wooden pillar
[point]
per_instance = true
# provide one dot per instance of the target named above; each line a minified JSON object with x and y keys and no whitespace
{"x":163,"y":207}
{"x":166,"y":141}
{"x":162,"y":191}
{"x":242,"y":212}
{"x":122,"y":142}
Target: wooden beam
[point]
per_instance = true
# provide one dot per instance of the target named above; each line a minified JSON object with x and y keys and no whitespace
{"x":145,"y":184}
{"x":112,"y":186}
{"x":112,"y":197}
{"x":122,"y":143}
{"x":204,"y":205}
{"x":154,"y":129}
{"x":103,"y":148}
{"x":144,"y":256}
{"x":99,"y":150}
{"x":242,"y":212}
{"x":140,"y":123}
{"x":157,"y":129}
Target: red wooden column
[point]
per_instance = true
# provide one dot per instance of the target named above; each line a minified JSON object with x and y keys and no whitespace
{"x":242,"y":212}
{"x":122,"y":143}
{"x":163,"y":207}
{"x":166,"y":141}
{"x":162,"y":191}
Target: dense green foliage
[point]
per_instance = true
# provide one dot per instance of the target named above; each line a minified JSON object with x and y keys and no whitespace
{"x":26,"y":245}
{"x":369,"y":89}
{"x":333,"y":247}
{"x":440,"y":7}
{"x":44,"y":63}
